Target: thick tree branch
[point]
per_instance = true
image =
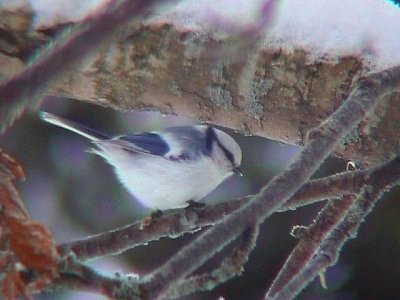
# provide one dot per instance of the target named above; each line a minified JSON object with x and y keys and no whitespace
{"x":260,"y":91}
{"x":266,"y":92}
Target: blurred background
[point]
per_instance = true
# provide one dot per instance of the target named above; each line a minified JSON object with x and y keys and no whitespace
{"x":75,"y":194}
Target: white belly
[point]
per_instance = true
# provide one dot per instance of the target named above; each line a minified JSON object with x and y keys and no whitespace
{"x":162,"y":184}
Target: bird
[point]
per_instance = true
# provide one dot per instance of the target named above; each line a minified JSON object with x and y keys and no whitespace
{"x":166,"y":169}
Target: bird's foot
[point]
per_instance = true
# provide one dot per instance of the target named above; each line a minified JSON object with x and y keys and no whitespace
{"x":148,"y":221}
{"x":195,"y":205}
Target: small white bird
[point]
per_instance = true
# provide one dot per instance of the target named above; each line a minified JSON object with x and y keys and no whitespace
{"x":166,"y":169}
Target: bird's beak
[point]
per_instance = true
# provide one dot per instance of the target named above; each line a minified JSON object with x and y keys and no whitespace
{"x":237,"y":171}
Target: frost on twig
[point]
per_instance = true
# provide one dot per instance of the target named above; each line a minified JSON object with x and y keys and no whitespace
{"x":74,"y":275}
{"x":328,"y":252}
{"x":310,"y":239}
{"x":230,"y":267}
{"x":334,"y":218}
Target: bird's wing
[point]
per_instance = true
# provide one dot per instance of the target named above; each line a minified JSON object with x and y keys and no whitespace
{"x":174,"y":143}
{"x":147,"y":143}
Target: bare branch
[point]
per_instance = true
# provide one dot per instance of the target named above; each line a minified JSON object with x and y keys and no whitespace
{"x":26,"y":88}
{"x":168,"y":225}
{"x":310,"y":239}
{"x":330,"y":248}
{"x":321,"y":143}
{"x":229,"y":268}
{"x":312,"y":236}
{"x":177,"y":223}
{"x":75,"y":275}
{"x":344,"y":183}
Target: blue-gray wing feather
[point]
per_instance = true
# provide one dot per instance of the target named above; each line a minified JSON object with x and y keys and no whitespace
{"x":191,"y":142}
{"x":151,"y":143}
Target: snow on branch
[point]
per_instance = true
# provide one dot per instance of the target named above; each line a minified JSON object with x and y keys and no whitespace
{"x":259,"y":89}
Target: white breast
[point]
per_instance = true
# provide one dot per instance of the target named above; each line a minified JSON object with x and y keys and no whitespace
{"x":163,"y":184}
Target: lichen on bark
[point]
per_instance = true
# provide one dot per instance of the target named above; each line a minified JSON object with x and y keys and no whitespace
{"x":267,"y":92}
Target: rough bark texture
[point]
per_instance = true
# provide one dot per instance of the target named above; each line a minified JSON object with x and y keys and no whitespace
{"x":267,"y":92}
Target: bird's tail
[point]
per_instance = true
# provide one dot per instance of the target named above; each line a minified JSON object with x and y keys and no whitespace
{"x":82,"y":130}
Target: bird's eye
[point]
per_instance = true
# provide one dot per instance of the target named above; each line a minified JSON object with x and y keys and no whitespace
{"x":228,"y":155}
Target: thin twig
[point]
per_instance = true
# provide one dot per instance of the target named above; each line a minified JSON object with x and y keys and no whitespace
{"x":386,"y":177}
{"x":170,"y":225}
{"x":310,"y":239}
{"x":330,"y":248}
{"x":175,"y":224}
{"x":320,"y":144}
{"x":75,"y":275}
{"x":345,"y":183}
{"x":26,"y":88}
{"x":327,"y":220}
{"x":229,"y":268}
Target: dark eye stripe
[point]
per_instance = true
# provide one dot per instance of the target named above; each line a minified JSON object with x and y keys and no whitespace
{"x":227,"y":153}
{"x":211,"y":137}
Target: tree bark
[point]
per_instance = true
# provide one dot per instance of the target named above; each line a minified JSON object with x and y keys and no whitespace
{"x":262,"y":91}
